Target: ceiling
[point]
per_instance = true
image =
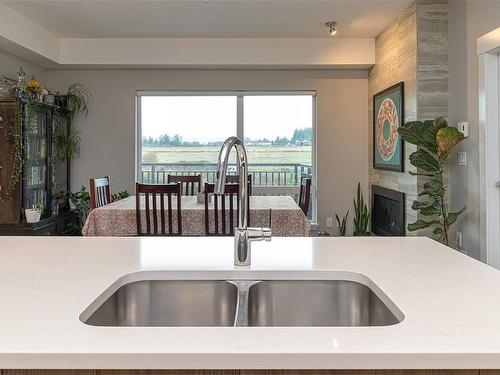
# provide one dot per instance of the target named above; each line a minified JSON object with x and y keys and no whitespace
{"x":209,"y":18}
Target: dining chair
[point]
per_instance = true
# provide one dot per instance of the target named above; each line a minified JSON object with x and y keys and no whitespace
{"x":235,"y":179}
{"x":221,"y":227}
{"x":152,"y":192}
{"x":305,"y":194}
{"x":190,"y":185}
{"x":100,"y":193}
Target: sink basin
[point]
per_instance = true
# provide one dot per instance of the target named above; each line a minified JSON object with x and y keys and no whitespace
{"x":147,"y":300}
{"x":316,"y":303}
{"x":168,"y":303}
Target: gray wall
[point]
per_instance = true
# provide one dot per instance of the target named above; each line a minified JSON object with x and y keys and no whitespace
{"x":108,"y":133}
{"x":413,"y":49}
{"x":469,"y":20}
{"x":9,"y":66}
{"x":396,"y":61}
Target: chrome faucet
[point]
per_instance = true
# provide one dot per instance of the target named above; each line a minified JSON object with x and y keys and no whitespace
{"x":243,"y":235}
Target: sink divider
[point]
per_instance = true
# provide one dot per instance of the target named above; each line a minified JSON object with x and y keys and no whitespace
{"x":241,"y":316}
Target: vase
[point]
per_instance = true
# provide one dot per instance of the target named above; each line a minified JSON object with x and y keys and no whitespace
{"x":32,"y":216}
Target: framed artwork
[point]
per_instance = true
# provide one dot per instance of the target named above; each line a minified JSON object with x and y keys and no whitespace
{"x":388,"y":116}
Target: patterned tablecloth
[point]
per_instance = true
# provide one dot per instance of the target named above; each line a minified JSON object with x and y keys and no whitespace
{"x":119,"y":218}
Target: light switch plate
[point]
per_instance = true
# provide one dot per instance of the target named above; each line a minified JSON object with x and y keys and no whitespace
{"x":329,"y":222}
{"x":462,"y":158}
{"x":463,"y":127}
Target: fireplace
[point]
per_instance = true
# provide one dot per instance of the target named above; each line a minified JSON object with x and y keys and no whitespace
{"x":388,"y":212}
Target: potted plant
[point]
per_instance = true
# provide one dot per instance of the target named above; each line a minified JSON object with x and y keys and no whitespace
{"x":120,"y":195}
{"x":342,"y":223}
{"x":80,"y":202}
{"x":33,"y":214}
{"x":77,"y":99}
{"x":361,"y":215}
{"x":435,"y":141}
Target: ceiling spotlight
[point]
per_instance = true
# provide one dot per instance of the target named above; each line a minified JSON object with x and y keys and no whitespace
{"x":332,"y":26}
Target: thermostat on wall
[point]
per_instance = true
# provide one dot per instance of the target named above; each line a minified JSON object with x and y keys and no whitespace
{"x":463,"y":127}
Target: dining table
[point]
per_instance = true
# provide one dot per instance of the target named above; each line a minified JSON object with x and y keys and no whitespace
{"x":118,"y":219}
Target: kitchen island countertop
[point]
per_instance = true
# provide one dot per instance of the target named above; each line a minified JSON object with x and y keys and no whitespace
{"x":450,"y":303}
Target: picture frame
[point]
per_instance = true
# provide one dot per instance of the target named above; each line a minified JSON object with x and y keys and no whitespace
{"x":388,"y":116}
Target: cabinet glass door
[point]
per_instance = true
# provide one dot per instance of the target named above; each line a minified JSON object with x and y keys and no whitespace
{"x":35,"y":159}
{"x":58,"y":159}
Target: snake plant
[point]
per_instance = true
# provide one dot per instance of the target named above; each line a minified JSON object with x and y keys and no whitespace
{"x":342,"y":223}
{"x":361,"y":214}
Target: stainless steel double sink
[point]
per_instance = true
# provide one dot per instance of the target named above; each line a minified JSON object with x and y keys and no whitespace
{"x":240,"y":303}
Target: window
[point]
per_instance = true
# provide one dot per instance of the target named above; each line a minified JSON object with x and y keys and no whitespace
{"x":181,"y":133}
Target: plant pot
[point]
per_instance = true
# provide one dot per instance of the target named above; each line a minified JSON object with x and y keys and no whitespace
{"x":32,"y":216}
{"x":49,"y":99}
{"x":61,"y":101}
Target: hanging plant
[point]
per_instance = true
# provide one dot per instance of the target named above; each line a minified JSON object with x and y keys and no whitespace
{"x":17,"y":153}
{"x":77,"y":99}
{"x":67,"y":145}
{"x":19,"y":123}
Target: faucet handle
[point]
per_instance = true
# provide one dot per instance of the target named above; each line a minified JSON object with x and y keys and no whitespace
{"x":267,"y":234}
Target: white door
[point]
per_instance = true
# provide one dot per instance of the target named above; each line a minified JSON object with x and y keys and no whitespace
{"x":489,"y":124}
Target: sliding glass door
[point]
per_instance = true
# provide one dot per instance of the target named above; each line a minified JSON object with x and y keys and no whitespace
{"x":278,"y":135}
{"x":181,"y":133}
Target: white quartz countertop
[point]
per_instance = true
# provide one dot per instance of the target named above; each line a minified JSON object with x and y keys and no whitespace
{"x":451,"y":305}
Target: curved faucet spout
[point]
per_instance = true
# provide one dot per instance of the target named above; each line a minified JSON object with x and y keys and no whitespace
{"x":223,"y":161}
{"x":242,"y":234}
{"x":241,"y":156}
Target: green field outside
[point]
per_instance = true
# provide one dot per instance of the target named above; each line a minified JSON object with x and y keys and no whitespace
{"x":263,"y":175}
{"x":207,"y":154}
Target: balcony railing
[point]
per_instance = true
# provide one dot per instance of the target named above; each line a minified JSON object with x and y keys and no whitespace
{"x":267,"y":178}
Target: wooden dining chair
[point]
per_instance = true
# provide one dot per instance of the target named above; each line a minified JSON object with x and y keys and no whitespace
{"x":235,"y":179}
{"x":305,"y":194}
{"x":221,"y":227}
{"x":161,"y":191}
{"x":190,"y":185}
{"x":100,"y":193}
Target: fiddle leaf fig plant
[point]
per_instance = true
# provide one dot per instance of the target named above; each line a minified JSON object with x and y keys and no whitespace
{"x":435,"y":141}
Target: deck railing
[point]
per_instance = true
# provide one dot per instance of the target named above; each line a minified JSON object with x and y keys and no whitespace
{"x":267,"y":178}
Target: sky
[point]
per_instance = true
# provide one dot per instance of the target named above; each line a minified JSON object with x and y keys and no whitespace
{"x":213,"y":118}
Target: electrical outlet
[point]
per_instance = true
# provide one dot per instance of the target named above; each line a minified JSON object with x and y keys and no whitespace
{"x":329,"y":222}
{"x":462,"y":158}
{"x":458,"y":240}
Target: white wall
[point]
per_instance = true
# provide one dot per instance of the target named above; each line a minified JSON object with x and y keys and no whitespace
{"x":468,"y":20}
{"x":9,"y":66}
{"x":108,"y":133}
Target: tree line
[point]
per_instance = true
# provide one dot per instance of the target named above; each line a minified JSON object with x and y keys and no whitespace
{"x":301,"y":136}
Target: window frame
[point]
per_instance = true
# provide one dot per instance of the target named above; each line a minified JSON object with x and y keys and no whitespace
{"x":240,"y":94}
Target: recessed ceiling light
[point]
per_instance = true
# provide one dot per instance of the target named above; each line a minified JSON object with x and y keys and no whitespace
{"x":332,"y":26}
